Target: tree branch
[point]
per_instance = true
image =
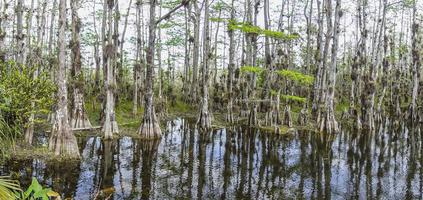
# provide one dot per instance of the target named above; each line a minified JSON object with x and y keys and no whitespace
{"x":167,"y":15}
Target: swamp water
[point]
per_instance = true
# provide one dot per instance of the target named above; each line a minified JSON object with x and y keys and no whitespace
{"x":239,"y":163}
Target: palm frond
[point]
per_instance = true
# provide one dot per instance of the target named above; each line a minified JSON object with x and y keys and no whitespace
{"x":8,"y":188}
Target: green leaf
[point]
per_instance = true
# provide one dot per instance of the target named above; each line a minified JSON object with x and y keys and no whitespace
{"x":297,"y":77}
{"x":251,"y":69}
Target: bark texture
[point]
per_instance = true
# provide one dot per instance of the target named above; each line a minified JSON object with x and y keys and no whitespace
{"x":62,"y":141}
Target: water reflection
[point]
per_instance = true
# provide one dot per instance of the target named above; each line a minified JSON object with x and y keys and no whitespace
{"x":240,"y":163}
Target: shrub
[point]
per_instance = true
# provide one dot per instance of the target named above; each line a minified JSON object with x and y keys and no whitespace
{"x":23,"y":94}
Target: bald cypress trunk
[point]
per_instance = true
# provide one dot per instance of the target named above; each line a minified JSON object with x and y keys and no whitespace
{"x":137,"y":70}
{"x":78,"y":114}
{"x":231,"y":67}
{"x":19,"y":33}
{"x":121,"y":43}
{"x":329,"y":123}
{"x":416,"y":64}
{"x":3,"y":22}
{"x":216,"y":42}
{"x":196,"y":52}
{"x":110,"y":125}
{"x":51,"y":34}
{"x":318,"y":62}
{"x":62,"y":141}
{"x":150,"y":127}
{"x":204,"y":119}
{"x":96,"y":53}
{"x":186,"y":79}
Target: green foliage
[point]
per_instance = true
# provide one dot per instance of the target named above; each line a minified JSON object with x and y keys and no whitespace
{"x":35,"y":191}
{"x":175,"y":41}
{"x":8,"y":188}
{"x":273,"y":92}
{"x":170,"y":4}
{"x":403,"y":49}
{"x":297,"y":77}
{"x":294,"y":98}
{"x":220,"y":5}
{"x":22,"y":94}
{"x":251,"y":69}
{"x":248,"y":28}
{"x":408,"y":3}
{"x":280,"y":35}
{"x":217,"y":19}
{"x":8,"y":136}
{"x":167,"y":24}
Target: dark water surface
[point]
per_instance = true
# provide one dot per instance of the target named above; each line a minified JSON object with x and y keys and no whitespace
{"x":240,"y":163}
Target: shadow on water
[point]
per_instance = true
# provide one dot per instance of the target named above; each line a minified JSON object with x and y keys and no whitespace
{"x":240,"y":163}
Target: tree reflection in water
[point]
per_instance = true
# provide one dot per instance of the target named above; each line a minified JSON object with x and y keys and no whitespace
{"x":241,"y":163}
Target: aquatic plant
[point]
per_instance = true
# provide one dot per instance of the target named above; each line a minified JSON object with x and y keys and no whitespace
{"x":10,"y":189}
{"x":36,"y":191}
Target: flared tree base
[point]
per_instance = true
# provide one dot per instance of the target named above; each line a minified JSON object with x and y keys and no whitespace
{"x":328,"y":123}
{"x":287,"y":119}
{"x":29,"y":134}
{"x":230,"y":115}
{"x":150,"y":130}
{"x":204,"y":120}
{"x":110,"y":128}
{"x":81,"y":121}
{"x":62,"y":142}
{"x":302,"y":117}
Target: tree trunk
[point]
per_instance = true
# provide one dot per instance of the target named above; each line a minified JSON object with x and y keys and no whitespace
{"x":231,"y":67}
{"x":78,"y":115}
{"x":185,"y":80}
{"x":96,"y":53}
{"x":3,"y":22}
{"x":318,"y":58}
{"x":215,"y":48}
{"x":27,"y":59}
{"x":416,"y":64}
{"x":150,"y":127}
{"x":20,"y":44}
{"x":204,"y":119}
{"x":196,"y":52}
{"x":62,"y":141}
{"x":122,"y":41}
{"x":110,"y":125}
{"x":329,"y":123}
{"x":139,"y":59}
